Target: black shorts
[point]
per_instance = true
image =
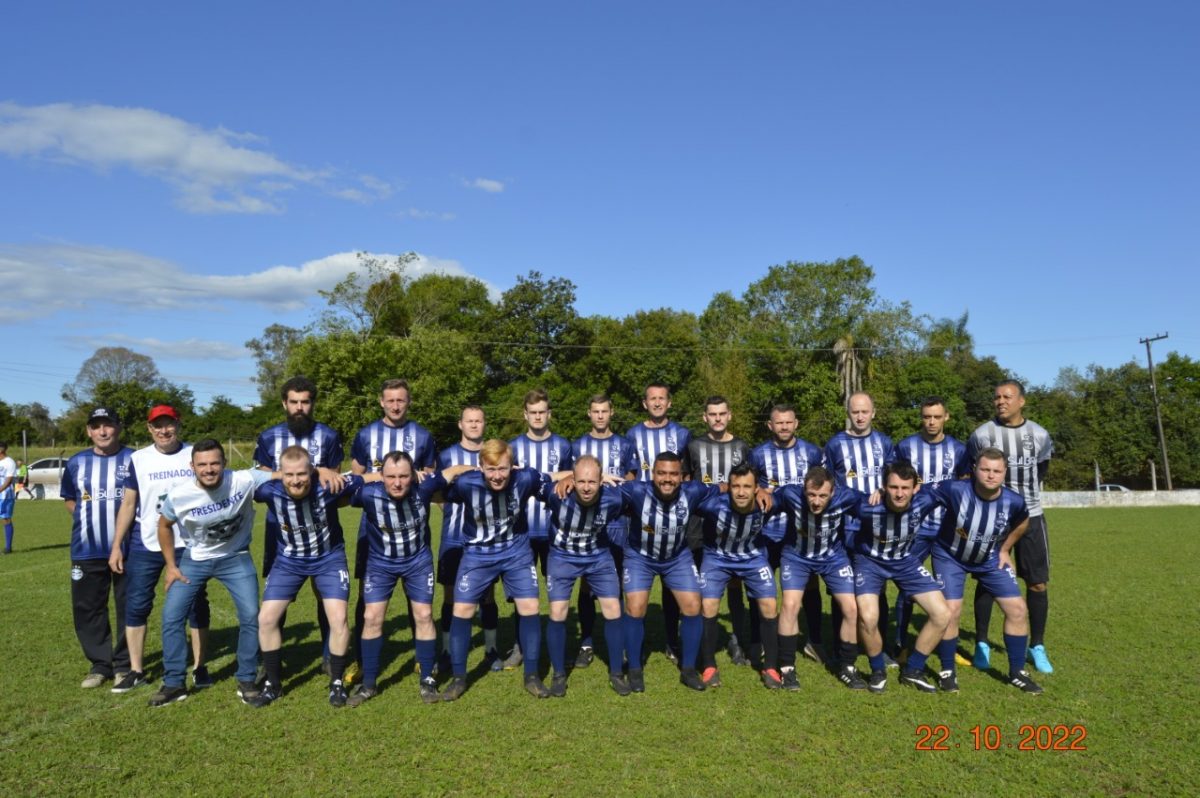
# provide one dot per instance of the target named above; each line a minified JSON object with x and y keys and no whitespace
{"x":360,"y":560}
{"x":447,"y":565}
{"x":1033,"y":553}
{"x":541,"y":552}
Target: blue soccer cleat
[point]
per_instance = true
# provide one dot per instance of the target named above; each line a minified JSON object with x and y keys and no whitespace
{"x":1040,"y":661}
{"x":983,"y":656}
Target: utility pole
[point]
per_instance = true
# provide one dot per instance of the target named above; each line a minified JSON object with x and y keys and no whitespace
{"x":1162,"y":441}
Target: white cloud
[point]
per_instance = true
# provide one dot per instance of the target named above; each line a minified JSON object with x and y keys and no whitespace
{"x":423,"y":215}
{"x":183,"y":349}
{"x":485,"y":184}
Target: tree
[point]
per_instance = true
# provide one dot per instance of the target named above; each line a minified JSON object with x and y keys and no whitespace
{"x":131,"y":401}
{"x":527,"y":326}
{"x":271,"y":352}
{"x":223,"y":420}
{"x":112,"y":364}
{"x":35,"y":420}
{"x":369,"y":300}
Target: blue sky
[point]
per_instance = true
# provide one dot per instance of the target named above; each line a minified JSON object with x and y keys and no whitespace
{"x":175,"y":179}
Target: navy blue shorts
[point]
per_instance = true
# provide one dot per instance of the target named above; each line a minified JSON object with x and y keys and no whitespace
{"x":838,"y":573}
{"x":678,"y":573}
{"x":756,"y":575}
{"x":563,"y":570}
{"x":909,"y":574}
{"x":1000,"y":582}
{"x":329,"y":573}
{"x":514,"y":566}
{"x":382,"y":573}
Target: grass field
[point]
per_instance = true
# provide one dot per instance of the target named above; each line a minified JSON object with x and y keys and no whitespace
{"x":1132,"y":687}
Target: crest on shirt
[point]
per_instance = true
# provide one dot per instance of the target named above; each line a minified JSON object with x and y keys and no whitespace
{"x":1001,"y":520}
{"x":314,"y":451}
{"x":877,"y":450}
{"x":681,"y":512}
{"x":408,"y":443}
{"x":512,"y":505}
{"x":1027,"y":441}
{"x":671,"y":442}
{"x":552,"y":460}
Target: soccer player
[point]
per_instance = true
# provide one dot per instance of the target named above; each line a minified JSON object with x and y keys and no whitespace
{"x":655,"y":435}
{"x":395,"y":432}
{"x":817,"y":510}
{"x":495,"y":546}
{"x":311,"y":546}
{"x":732,"y":529}
{"x":1028,"y":448}
{"x":618,"y":458}
{"x":784,"y":460}
{"x":857,"y":457}
{"x":657,"y":546}
{"x":471,"y":424}
{"x":713,"y":456}
{"x":579,"y":551}
{"x":881,"y":549}
{"x":540,"y":449}
{"x":936,"y":457}
{"x":91,"y":491}
{"x":982,"y":521}
{"x":8,"y":494}
{"x":23,"y":481}
{"x":153,"y":471}
{"x":213,"y":514}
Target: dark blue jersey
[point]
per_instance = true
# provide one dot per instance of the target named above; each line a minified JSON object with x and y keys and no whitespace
{"x":887,"y":535}
{"x":95,"y":482}
{"x":732,"y":534}
{"x":323,"y":444}
{"x":658,"y":530}
{"x":453,"y":514}
{"x":378,"y":439}
{"x":396,"y":528}
{"x":308,"y":527}
{"x":616,"y":453}
{"x":578,"y":529}
{"x":813,"y":536}
{"x":650,"y":442}
{"x":548,"y":456}
{"x":494,"y":518}
{"x":934,"y":462}
{"x":858,"y":461}
{"x":777,"y":466}
{"x":973,"y":528}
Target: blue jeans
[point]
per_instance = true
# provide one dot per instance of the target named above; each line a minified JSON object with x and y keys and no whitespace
{"x":236,"y":572}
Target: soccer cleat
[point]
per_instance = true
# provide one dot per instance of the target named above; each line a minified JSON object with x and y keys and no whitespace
{"x":93,"y":680}
{"x":771,"y":678}
{"x":736,"y":655}
{"x":535,"y":686}
{"x":690,"y":678}
{"x":129,"y":681}
{"x":168,"y":695}
{"x":948,"y":682}
{"x":877,"y":682}
{"x":850,"y":677}
{"x":711,"y":677}
{"x":585,"y":656}
{"x":637,"y":681}
{"x":982,"y":660}
{"x":337,"y":694}
{"x":790,"y":682}
{"x":361,"y":695}
{"x":492,"y":657}
{"x":353,"y":674}
{"x":1023,"y":682}
{"x":270,"y":692}
{"x":201,"y":678}
{"x":454,"y":690}
{"x":960,"y":660}
{"x":619,"y":684}
{"x":889,"y":661}
{"x":427,"y":690}
{"x":915,"y":678}
{"x":513,"y":660}
{"x":1037,"y":654}
{"x":672,"y":654}
{"x":247,"y":691}
{"x":814,"y":652}
{"x":558,"y":685}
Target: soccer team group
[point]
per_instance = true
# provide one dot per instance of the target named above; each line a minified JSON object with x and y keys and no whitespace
{"x":708,"y":515}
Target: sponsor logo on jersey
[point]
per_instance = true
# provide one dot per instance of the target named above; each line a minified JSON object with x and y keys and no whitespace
{"x":377,"y":464}
{"x":851,"y":474}
{"x":961,"y":532}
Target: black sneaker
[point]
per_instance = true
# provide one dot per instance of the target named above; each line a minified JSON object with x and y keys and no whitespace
{"x":428,"y":690}
{"x":247,"y":691}
{"x":558,"y":685}
{"x":736,"y":655}
{"x":337,"y":694}
{"x":690,"y":678}
{"x":129,"y":681}
{"x":535,"y":686}
{"x":790,"y":681}
{"x":619,"y":684}
{"x":850,"y":677}
{"x":877,"y":682}
{"x":269,"y":692}
{"x":491,"y":658}
{"x":168,"y":695}
{"x":585,"y":656}
{"x":915,"y":678}
{"x":361,"y":695}
{"x":1023,"y":682}
{"x":201,"y":678}
{"x":454,"y":690}
{"x":948,"y":682}
{"x":637,"y":680}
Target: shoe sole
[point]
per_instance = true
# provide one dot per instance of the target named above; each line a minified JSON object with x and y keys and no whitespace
{"x":174,"y":700}
{"x":130,"y":689}
{"x":923,"y":687}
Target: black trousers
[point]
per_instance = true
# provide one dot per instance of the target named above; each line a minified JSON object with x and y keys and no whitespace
{"x":91,"y":584}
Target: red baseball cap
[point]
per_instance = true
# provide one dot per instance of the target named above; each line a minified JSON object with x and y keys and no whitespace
{"x":158,"y":411}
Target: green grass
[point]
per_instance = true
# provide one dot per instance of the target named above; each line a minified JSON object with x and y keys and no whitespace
{"x":1124,"y":623}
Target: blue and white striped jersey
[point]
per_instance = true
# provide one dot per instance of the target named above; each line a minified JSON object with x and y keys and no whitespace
{"x":378,"y":439}
{"x":811,"y":536}
{"x":452,"y":513}
{"x":658,"y":530}
{"x":886,"y":535}
{"x":732,"y":534}
{"x":1026,"y":446}
{"x":973,"y":528}
{"x":308,"y":527}
{"x":616,"y":453}
{"x":548,"y":456}
{"x":776,"y":467}
{"x":858,"y":461}
{"x":649,"y":443}
{"x":934,"y":462}
{"x":323,"y":443}
{"x":582,"y":530}
{"x":396,"y":528}
{"x":494,"y":518}
{"x":95,"y":482}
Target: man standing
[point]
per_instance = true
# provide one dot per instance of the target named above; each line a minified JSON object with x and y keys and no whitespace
{"x":153,"y":471}
{"x":8,"y":494}
{"x":91,"y":491}
{"x":1028,"y":448}
{"x":213,"y":515}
